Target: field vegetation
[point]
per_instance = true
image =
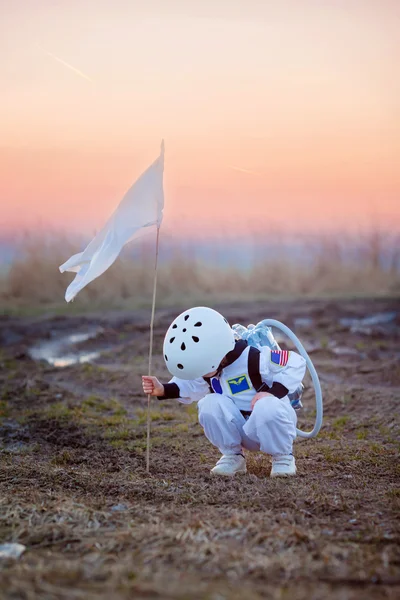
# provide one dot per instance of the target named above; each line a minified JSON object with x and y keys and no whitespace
{"x":301,"y":266}
{"x":74,"y":489}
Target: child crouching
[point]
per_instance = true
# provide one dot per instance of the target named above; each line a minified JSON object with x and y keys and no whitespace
{"x":241,"y":391}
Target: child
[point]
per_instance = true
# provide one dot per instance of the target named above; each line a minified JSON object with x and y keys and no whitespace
{"x":241,"y":391}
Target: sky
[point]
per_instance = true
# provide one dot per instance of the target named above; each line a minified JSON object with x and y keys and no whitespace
{"x":279,"y":115}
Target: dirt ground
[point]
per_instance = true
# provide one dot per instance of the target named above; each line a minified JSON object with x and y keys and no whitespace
{"x":74,"y":489}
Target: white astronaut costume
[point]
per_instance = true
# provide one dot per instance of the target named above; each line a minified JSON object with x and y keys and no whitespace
{"x":271,"y":426}
{"x":224,"y":399}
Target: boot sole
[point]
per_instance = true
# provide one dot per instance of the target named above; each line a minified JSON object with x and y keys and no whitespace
{"x":219,"y":474}
{"x":273,"y":475}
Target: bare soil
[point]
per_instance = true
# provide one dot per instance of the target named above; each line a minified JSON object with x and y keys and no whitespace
{"x":74,"y":489}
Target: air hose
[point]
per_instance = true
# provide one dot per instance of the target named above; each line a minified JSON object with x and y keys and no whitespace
{"x":314,"y":376}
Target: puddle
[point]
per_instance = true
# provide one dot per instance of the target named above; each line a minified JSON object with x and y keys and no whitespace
{"x":57,"y":352}
{"x":10,"y":432}
{"x":347,"y":350}
{"x":14,"y":447}
{"x":302,"y":322}
{"x":369,"y":324}
{"x":330,"y":378}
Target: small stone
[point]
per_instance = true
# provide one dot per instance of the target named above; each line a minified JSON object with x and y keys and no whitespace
{"x":119,"y":508}
{"x":11,"y":550}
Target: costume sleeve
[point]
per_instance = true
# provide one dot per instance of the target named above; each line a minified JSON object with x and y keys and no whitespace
{"x":186,"y":391}
{"x":282,"y":366}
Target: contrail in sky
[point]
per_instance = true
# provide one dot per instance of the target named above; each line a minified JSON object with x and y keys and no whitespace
{"x":77,"y":71}
{"x":241,"y":170}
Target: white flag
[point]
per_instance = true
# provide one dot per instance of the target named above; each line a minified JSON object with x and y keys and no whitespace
{"x":142,"y":206}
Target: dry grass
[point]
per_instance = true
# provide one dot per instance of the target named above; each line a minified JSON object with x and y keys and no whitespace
{"x":327,"y":266}
{"x":74,"y":489}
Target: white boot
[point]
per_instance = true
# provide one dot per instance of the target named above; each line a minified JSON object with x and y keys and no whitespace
{"x":230,"y":464}
{"x":283,"y":465}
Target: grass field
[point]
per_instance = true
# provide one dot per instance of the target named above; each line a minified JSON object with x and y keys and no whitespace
{"x":320,"y":265}
{"x":75,"y":492}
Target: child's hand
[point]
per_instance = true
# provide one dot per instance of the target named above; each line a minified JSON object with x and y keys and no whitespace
{"x":152,"y":386}
{"x":258,"y":396}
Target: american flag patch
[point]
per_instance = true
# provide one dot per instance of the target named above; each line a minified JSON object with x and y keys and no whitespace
{"x":280,"y":357}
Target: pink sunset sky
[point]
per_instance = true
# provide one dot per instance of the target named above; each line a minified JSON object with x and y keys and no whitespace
{"x":273,"y":112}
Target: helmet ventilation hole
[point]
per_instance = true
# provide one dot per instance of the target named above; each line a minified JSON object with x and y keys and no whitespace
{"x":183,"y":347}
{"x":184,"y":330}
{"x":166,"y":357}
{"x":198,"y":324}
{"x":186,"y":317}
{"x":171,"y":340}
{"x":174,"y":326}
{"x":179,"y":366}
{"x":195,"y":339}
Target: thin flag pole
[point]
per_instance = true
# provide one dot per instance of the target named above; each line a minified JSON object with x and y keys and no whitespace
{"x":151,"y":352}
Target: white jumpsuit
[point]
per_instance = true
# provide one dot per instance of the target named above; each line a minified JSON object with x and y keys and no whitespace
{"x":271,"y":426}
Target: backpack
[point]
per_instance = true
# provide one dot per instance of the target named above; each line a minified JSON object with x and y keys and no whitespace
{"x":257,"y":336}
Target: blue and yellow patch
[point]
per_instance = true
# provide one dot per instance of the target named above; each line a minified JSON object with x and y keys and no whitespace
{"x":239,"y":384}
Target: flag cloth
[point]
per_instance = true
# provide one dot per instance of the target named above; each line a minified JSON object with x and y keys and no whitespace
{"x":142,"y":206}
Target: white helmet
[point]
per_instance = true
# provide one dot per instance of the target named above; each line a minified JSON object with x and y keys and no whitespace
{"x":196,"y":342}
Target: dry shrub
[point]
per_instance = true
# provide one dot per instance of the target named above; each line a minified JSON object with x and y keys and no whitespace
{"x":339,"y":264}
{"x":323,"y":265}
{"x":35,"y":275}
